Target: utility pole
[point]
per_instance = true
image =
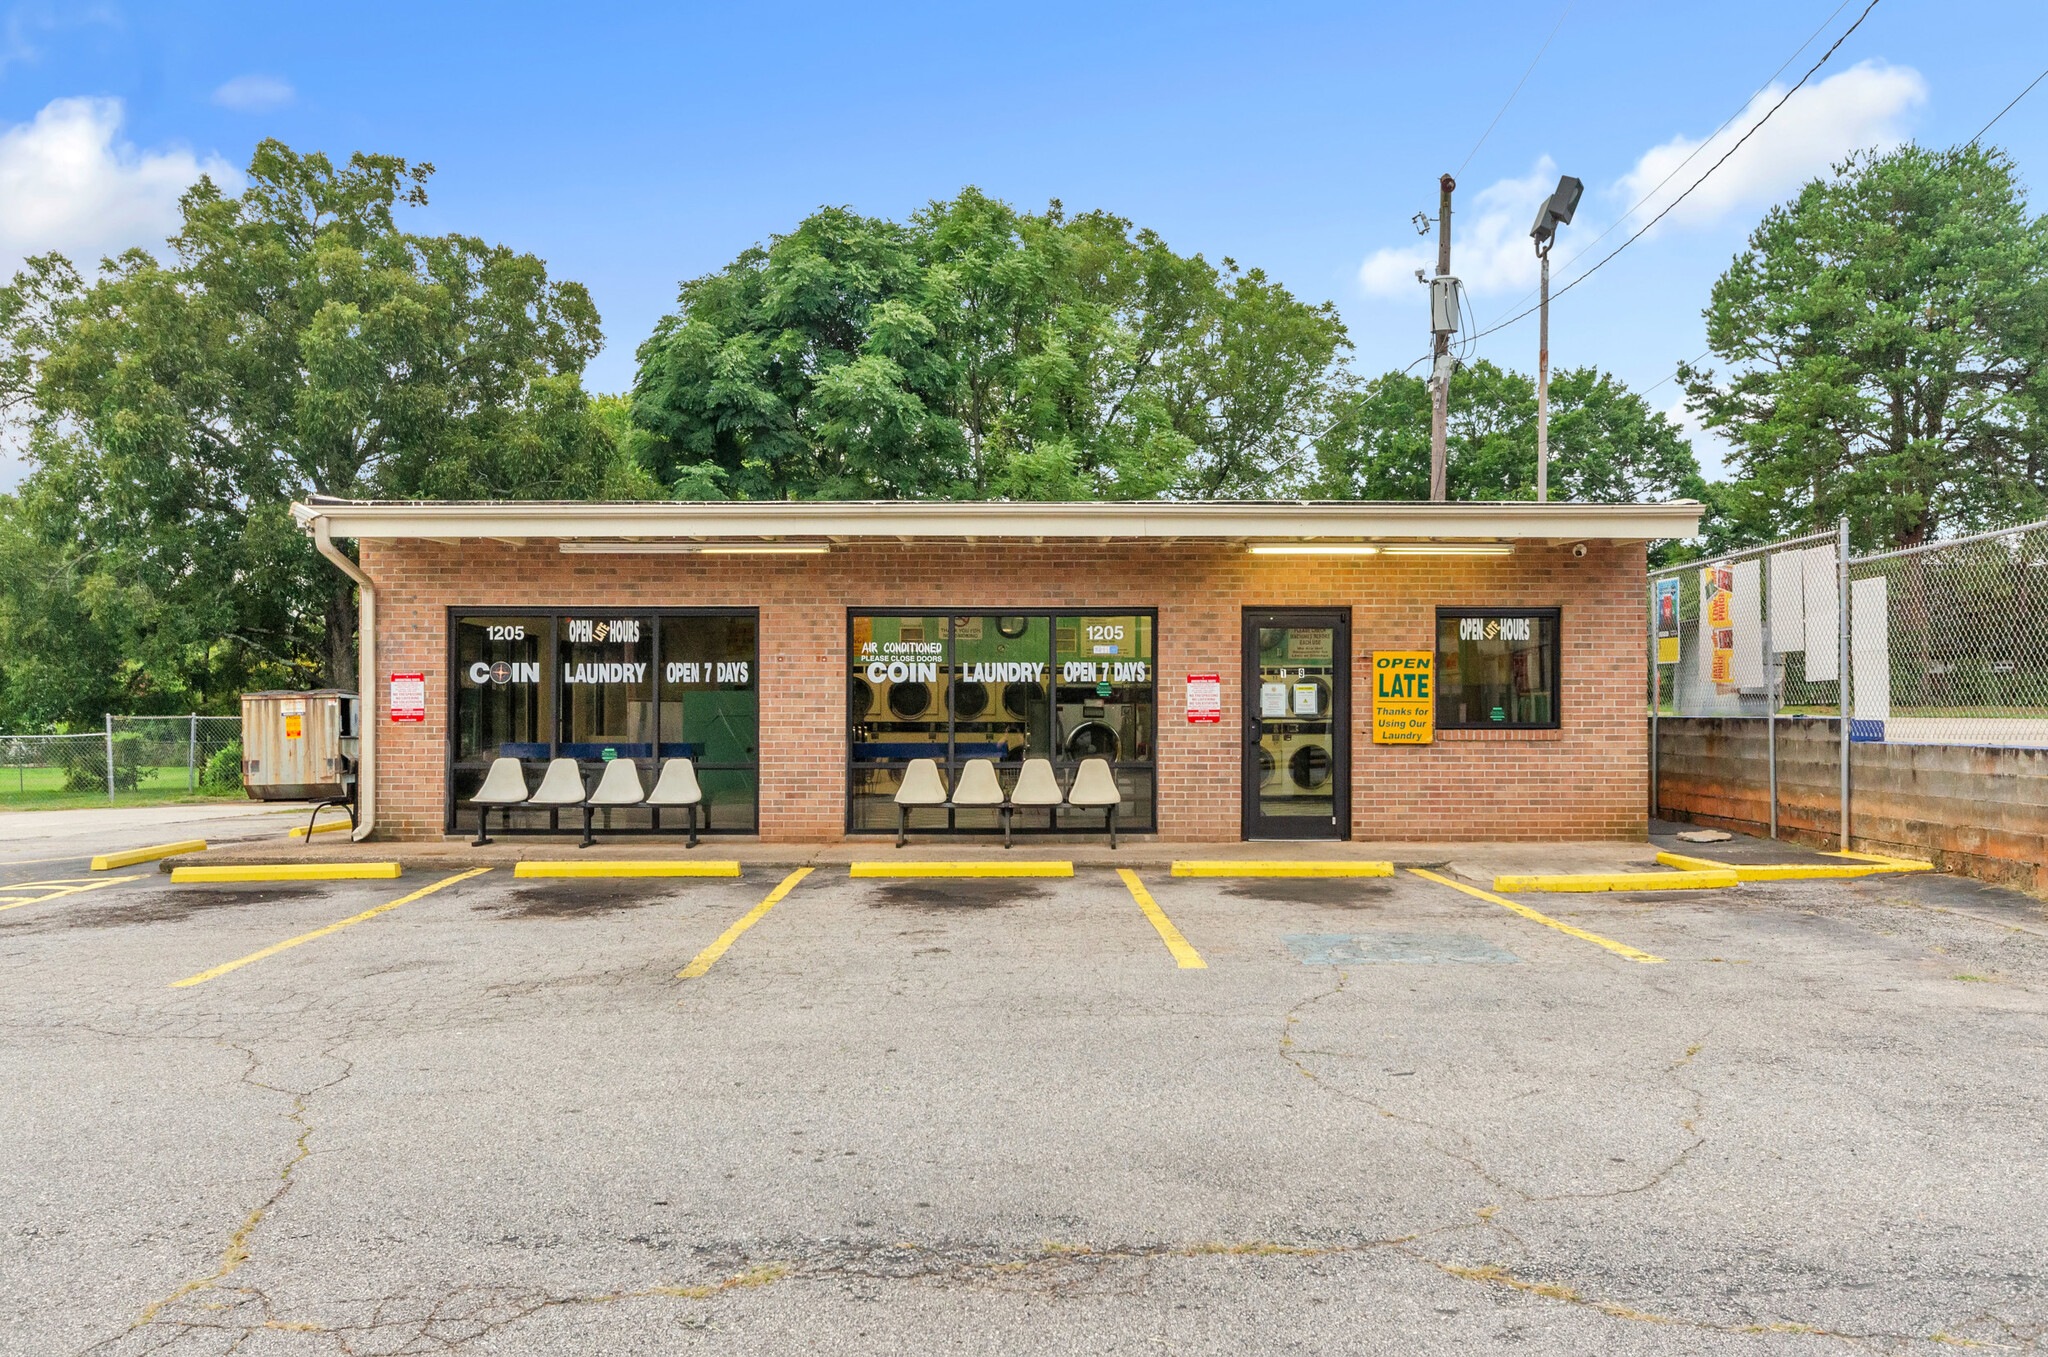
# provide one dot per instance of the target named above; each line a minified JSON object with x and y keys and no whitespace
{"x":1440,"y":373}
{"x":1543,"y":381}
{"x":1556,"y":211}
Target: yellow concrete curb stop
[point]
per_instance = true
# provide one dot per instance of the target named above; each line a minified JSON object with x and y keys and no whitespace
{"x":707,"y":867}
{"x":301,"y":871}
{"x":1891,"y":864}
{"x":1621,"y":881}
{"x":1283,"y":869}
{"x":914,"y":869}
{"x":1787,"y":871}
{"x":129,"y":857}
{"x":299,"y":831}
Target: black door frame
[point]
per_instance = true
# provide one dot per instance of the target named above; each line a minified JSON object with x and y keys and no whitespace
{"x":1253,"y":827}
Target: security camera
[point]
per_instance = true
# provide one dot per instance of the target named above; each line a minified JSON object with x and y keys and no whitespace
{"x":1578,"y":551}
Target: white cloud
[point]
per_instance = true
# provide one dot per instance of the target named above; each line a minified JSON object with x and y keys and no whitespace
{"x":67,"y":183}
{"x":1864,"y":106}
{"x":254,"y":94}
{"x":1490,"y":246}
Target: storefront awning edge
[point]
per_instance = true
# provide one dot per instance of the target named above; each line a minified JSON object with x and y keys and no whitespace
{"x":1510,"y":521}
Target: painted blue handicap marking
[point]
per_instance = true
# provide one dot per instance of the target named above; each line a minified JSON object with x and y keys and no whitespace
{"x":1349,"y":949}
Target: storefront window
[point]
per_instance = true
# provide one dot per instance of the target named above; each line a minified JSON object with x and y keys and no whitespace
{"x":1496,"y":669}
{"x":503,"y":699}
{"x":621,"y":685}
{"x":710,"y":709}
{"x":1005,"y":687}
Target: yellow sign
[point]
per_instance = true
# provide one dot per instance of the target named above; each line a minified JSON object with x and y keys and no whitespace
{"x":294,"y":727}
{"x":1403,"y":696}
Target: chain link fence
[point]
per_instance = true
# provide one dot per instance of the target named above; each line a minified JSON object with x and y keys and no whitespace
{"x":1945,"y":643}
{"x":1949,"y":642}
{"x":134,"y":756}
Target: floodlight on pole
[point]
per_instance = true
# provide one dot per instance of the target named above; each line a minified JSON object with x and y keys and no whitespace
{"x":1556,"y":211}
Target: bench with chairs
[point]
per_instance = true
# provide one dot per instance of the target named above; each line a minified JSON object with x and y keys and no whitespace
{"x":923,"y":787}
{"x":562,"y":787}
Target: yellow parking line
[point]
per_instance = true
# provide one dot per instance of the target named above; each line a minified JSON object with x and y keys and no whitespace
{"x":704,"y":960}
{"x":129,"y":857}
{"x":1188,"y":958}
{"x":335,"y":927}
{"x":51,"y":890}
{"x":1620,"y":948}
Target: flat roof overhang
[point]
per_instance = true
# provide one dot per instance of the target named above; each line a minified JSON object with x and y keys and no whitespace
{"x":845,"y":521}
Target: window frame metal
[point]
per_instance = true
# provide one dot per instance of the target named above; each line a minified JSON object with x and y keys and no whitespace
{"x":1556,"y":616}
{"x":1149,"y":768}
{"x":555,"y":613}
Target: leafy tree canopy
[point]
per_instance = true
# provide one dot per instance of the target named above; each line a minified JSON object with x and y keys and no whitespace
{"x":1607,"y":445}
{"x":1884,"y":335}
{"x":976,"y":351}
{"x":294,"y":340}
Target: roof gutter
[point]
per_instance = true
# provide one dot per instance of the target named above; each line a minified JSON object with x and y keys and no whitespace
{"x":366,"y":673}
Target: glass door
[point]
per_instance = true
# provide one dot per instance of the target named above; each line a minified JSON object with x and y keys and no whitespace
{"x":1297,"y":723}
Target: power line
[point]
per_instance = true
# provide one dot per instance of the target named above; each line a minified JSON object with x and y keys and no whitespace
{"x":1674,"y":373}
{"x":1739,"y":141}
{"x":1587,"y":248}
{"x":1517,"y":90}
{"x":2001,"y":112}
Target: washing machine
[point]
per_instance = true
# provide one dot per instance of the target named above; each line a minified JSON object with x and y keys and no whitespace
{"x":1300,"y":757}
{"x":968,"y":700}
{"x":909,"y":700}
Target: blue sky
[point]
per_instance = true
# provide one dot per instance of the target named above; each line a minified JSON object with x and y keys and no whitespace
{"x":635,"y":145}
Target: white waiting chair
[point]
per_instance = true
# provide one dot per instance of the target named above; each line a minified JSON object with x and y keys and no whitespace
{"x":561,"y":786}
{"x":1095,"y":787}
{"x":1036,"y":787}
{"x":618,"y":786}
{"x":978,"y":786}
{"x":505,"y":787}
{"x":677,"y":786}
{"x":922,"y":786}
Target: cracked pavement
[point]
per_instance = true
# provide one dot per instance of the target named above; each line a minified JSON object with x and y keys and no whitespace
{"x":969,"y":1117}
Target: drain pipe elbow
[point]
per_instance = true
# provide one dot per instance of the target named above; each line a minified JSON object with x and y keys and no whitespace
{"x":366,"y":676}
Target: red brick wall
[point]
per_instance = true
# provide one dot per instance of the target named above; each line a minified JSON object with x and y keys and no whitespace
{"x":1586,"y":780}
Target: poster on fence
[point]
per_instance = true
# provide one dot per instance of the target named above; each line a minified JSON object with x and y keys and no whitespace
{"x":1667,"y":621}
{"x":1717,"y":624}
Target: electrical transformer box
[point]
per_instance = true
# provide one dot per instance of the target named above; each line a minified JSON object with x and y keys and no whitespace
{"x":300,"y":746}
{"x":1443,"y":305}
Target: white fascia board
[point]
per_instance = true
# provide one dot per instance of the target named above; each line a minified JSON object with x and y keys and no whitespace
{"x":1512,"y":520}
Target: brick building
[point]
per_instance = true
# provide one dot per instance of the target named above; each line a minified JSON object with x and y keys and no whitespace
{"x":1221,"y":657}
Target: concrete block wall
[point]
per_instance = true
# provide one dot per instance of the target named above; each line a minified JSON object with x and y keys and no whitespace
{"x":1586,"y":780}
{"x":1974,"y":811}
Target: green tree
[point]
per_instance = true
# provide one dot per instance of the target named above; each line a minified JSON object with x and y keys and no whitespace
{"x":1607,"y":445}
{"x":294,"y":341}
{"x":1884,"y":334}
{"x":976,"y":351}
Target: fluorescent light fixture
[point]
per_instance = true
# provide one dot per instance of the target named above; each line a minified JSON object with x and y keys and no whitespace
{"x":1449,"y":549}
{"x":697,"y":548}
{"x":1314,"y":549}
{"x":766,"y":549}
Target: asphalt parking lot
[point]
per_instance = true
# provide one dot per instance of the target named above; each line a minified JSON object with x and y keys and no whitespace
{"x":1376,"y":1116}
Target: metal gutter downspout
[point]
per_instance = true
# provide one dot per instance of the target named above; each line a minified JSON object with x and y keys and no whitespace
{"x":366,"y":677}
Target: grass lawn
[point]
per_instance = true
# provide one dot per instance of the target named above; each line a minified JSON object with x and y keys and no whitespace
{"x":43,"y":789}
